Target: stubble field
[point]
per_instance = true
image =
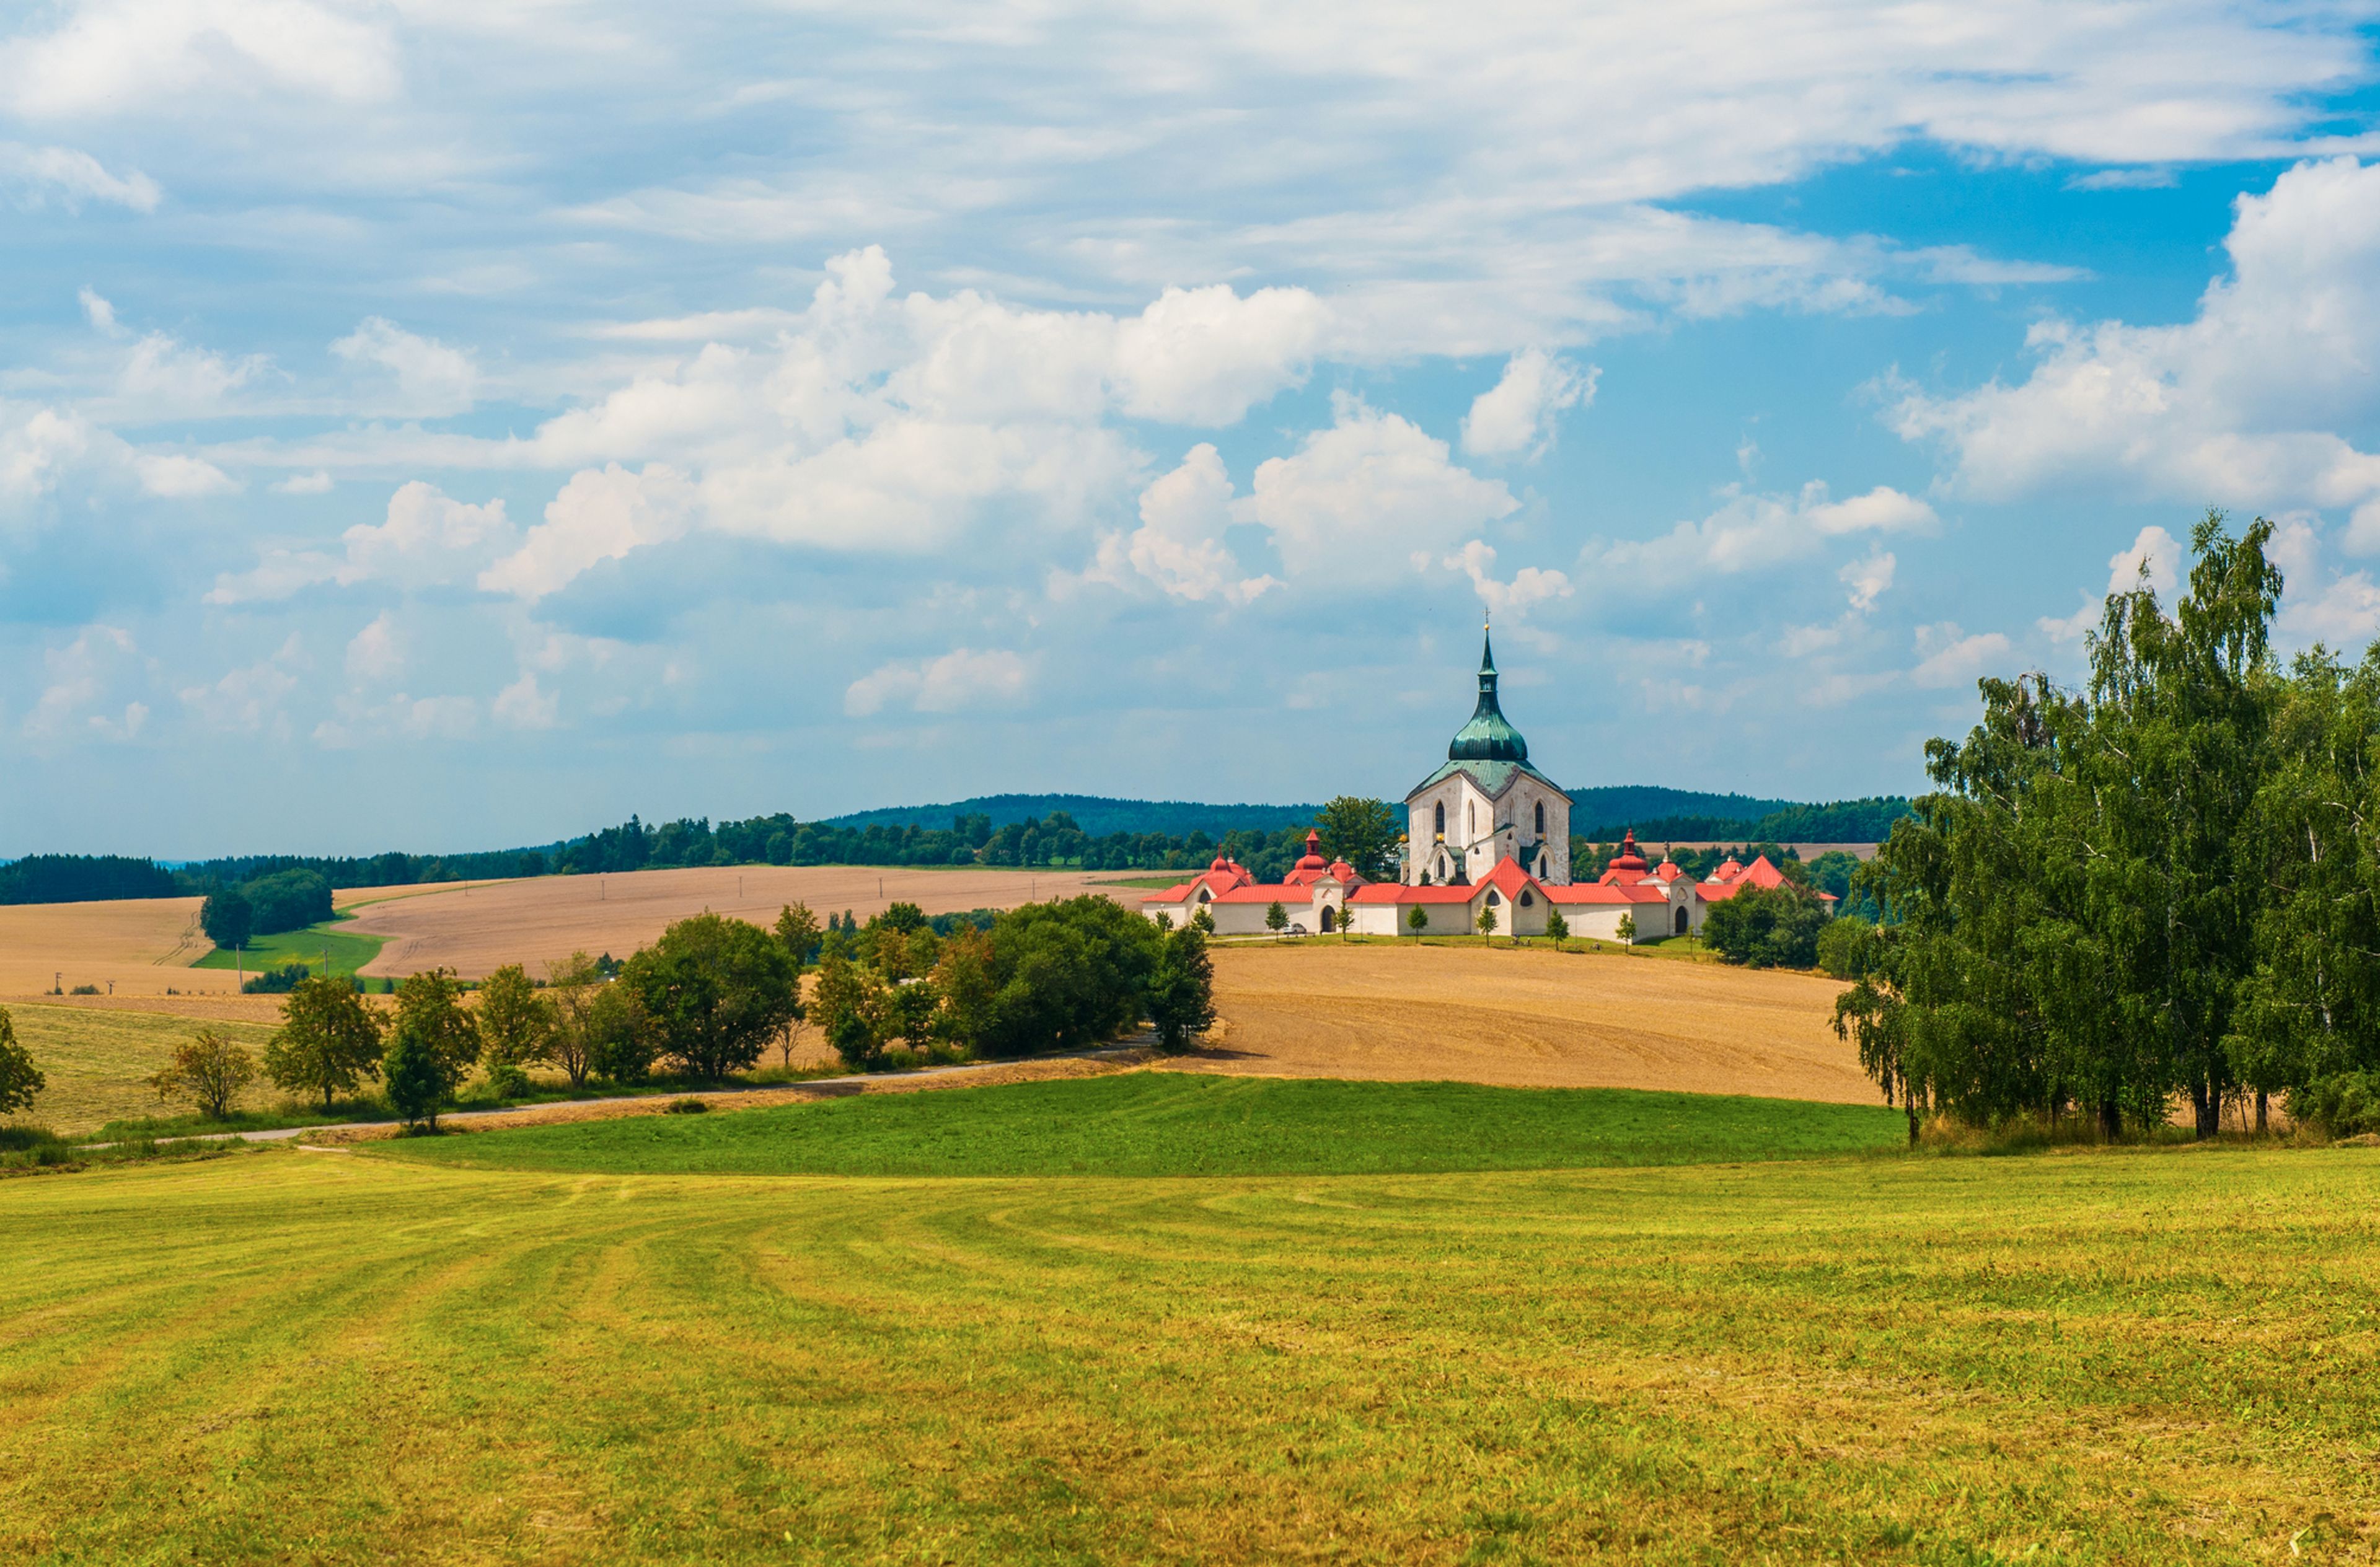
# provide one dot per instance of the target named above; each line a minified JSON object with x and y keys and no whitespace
{"x":330,"y":1357}
{"x":1531,"y":1018}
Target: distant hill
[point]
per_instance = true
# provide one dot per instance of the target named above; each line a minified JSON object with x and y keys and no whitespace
{"x":1593,"y":811}
{"x":1096,"y":814}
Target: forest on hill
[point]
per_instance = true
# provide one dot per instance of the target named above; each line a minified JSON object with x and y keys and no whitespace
{"x":1087,"y":831}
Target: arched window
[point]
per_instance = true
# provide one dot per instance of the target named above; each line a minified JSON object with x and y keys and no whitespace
{"x":1492,"y":898}
{"x":1442,"y":818}
{"x":1528,"y":900}
{"x":1681,"y":921}
{"x":1205,"y":896}
{"x":1541,"y":818}
{"x":1470,"y":819}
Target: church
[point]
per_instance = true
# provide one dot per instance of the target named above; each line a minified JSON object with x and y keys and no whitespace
{"x":1484,"y":831}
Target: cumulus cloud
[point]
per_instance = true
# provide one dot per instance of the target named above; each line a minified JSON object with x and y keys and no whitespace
{"x":375,"y":654}
{"x":2155,"y":556}
{"x":1517,"y":413}
{"x":1947,"y":655}
{"x":248,"y":700}
{"x":1207,"y":356}
{"x":164,"y":377}
{"x":1752,"y":531}
{"x":88,"y":691}
{"x":2239,"y":404}
{"x":98,"y":312}
{"x":1867,"y":580}
{"x":524,"y":706}
{"x":432,"y":379}
{"x":1365,"y":497}
{"x":63,"y":175}
{"x":427,"y":539}
{"x":599,"y":515}
{"x":316,"y":483}
{"x":1179,"y":545}
{"x":1530,"y":584}
{"x":960,"y":680}
{"x":110,"y":56}
{"x":181,"y":478}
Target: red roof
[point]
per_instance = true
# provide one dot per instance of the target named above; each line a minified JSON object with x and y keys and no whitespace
{"x":1608,"y":892}
{"x":1507,"y":878}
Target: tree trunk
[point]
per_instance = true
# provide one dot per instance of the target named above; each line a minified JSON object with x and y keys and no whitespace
{"x":2111,"y":1119}
{"x":2260,"y":1112}
{"x":2209,"y":1106}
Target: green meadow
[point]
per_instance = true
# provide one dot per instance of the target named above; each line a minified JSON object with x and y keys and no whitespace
{"x":347,"y":952}
{"x":388,"y":1355}
{"x":1187,"y":1124}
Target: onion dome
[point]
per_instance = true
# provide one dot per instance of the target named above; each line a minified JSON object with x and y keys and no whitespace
{"x":1629,"y":858}
{"x":1313,"y":861}
{"x":1489,"y":736}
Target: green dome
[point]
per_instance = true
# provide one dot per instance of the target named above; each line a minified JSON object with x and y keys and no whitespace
{"x":1489,"y":736}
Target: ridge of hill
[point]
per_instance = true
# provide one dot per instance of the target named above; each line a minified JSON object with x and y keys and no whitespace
{"x":1096,"y":814}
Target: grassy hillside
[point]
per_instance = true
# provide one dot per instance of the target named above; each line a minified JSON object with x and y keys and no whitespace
{"x":347,"y":952}
{"x":97,"y":1061}
{"x":1177,"y":1124}
{"x":2094,"y":1358}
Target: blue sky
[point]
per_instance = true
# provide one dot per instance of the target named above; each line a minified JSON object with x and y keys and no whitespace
{"x":432,"y":424}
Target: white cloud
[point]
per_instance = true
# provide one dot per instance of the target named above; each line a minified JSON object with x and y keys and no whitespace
{"x":2237,"y":406}
{"x":598,"y":516}
{"x":44,"y":173}
{"x":1868,"y":579}
{"x":316,"y":483}
{"x":247,"y":700}
{"x":431,"y":379}
{"x":99,"y":312}
{"x":428,"y":539}
{"x":1179,"y":545}
{"x":1206,"y":356}
{"x":1751,"y":531}
{"x":111,"y":57}
{"x":163,"y":376}
{"x":181,"y":478}
{"x":522,"y":706}
{"x":87,"y":688}
{"x":2154,"y":548}
{"x":1530,"y":584}
{"x":960,"y":680}
{"x":375,"y":654}
{"x":1947,"y":656}
{"x":36,"y":451}
{"x":1359,"y":500}
{"x":1516,"y":414}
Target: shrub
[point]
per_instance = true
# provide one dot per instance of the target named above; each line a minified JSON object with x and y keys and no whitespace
{"x":2342,"y":1104}
{"x":685,"y":1107}
{"x":281,"y":980}
{"x":1845,"y":947}
{"x":29,"y":1148}
{"x":1182,"y":991}
{"x":418,"y":1080}
{"x":82,"y":990}
{"x":508,"y":1081}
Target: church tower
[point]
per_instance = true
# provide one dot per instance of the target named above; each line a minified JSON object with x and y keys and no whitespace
{"x":1486,"y":803}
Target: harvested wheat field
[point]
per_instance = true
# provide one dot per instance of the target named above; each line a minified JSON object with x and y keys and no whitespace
{"x":1527,"y":1017}
{"x":143,"y":945}
{"x":474,"y":930}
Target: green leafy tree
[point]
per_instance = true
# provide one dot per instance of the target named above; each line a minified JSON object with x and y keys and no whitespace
{"x":1557,"y":927}
{"x":1182,"y":991}
{"x":1767,"y":927}
{"x":1362,"y":832}
{"x":967,"y":988}
{"x":717,"y":991}
{"x":208,"y":1070}
{"x":418,"y":1083}
{"x":328,"y":1040}
{"x":1417,"y":919}
{"x":19,"y":1079}
{"x":1202,"y":922}
{"x":1276,"y":917}
{"x":517,"y":1026}
{"x":430,"y":1010}
{"x":620,"y":1046}
{"x":1872,"y":1016}
{"x":572,"y":987}
{"x":797,"y":932}
{"x":1626,"y":930}
{"x":1488,"y":923}
{"x":1845,"y":947}
{"x":226,"y":918}
{"x":847,"y":1004}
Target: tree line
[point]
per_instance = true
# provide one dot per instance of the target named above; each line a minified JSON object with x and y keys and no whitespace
{"x":2160,"y":886}
{"x":1842,"y":821}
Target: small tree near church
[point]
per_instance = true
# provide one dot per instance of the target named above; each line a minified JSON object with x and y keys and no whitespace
{"x":1487,"y":924}
{"x":1276,"y":918}
{"x":1626,"y":930}
{"x":1557,"y":927}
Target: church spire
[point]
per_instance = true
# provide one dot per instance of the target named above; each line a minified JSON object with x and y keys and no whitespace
{"x":1489,"y":736}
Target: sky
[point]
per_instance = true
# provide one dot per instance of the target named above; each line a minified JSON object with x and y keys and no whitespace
{"x":445,"y":426}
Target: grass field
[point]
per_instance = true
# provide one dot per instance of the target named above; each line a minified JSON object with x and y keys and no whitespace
{"x":1176,"y":1124}
{"x":2126,"y":1357}
{"x":347,"y":949}
{"x":95,"y":1060}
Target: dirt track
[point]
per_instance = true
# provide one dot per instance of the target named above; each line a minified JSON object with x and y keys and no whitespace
{"x":546,"y":919}
{"x":1528,"y":1018}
